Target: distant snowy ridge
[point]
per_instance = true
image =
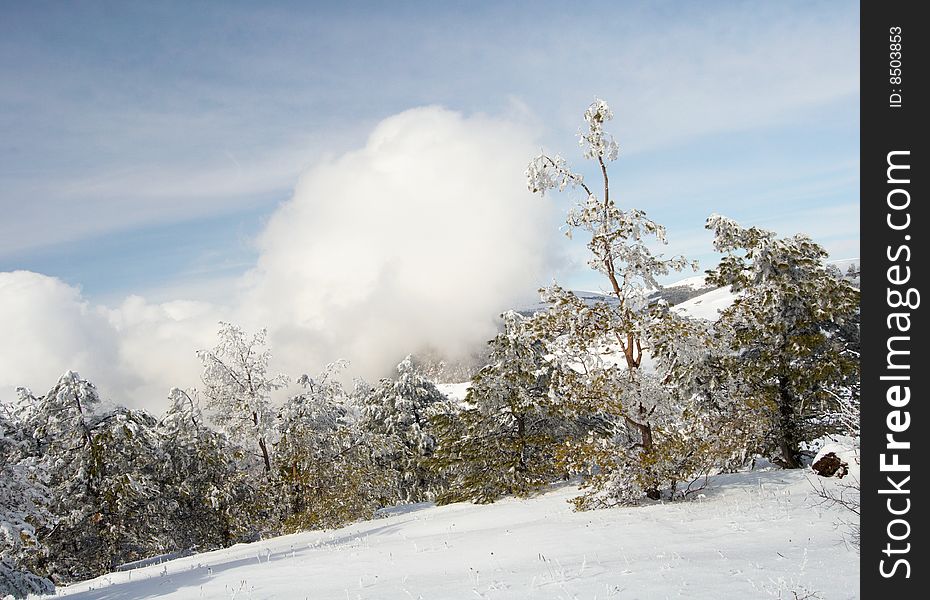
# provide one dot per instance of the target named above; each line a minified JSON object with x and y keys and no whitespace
{"x":698,"y":282}
{"x":673,"y":293}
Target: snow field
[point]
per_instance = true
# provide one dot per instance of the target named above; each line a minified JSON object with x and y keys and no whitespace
{"x":749,"y":535}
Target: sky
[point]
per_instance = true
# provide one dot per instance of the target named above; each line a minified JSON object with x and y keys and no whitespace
{"x":179,"y":158}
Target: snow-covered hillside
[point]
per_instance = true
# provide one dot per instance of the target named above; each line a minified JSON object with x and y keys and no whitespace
{"x":708,"y":305}
{"x":710,"y":301}
{"x":750,"y":535}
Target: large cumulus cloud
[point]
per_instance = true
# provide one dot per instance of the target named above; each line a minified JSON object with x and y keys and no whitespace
{"x":416,"y":240}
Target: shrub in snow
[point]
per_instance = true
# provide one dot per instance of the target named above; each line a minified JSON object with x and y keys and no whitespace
{"x":63,"y":442}
{"x":613,"y":457}
{"x":637,"y":438}
{"x":690,"y":358}
{"x":213,"y":502}
{"x":18,"y":583}
{"x":121,"y":486}
{"x":123,"y":512}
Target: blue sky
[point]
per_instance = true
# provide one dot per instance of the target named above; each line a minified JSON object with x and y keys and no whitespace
{"x":143,"y":145}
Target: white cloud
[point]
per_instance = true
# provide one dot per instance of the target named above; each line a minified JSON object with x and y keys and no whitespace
{"x":157,"y":345}
{"x":134,"y":353}
{"x":48,"y":328}
{"x":419,"y":239}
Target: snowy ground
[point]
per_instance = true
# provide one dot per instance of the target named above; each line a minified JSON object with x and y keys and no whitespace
{"x":752,"y":535}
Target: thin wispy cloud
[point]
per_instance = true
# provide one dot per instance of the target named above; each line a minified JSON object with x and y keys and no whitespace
{"x":113,"y":134}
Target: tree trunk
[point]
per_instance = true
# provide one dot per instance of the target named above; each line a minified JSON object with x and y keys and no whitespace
{"x":787,"y":435}
{"x":645,"y":432}
{"x":265,"y":457}
{"x":262,"y":445}
{"x":633,"y":352}
{"x":521,"y":435}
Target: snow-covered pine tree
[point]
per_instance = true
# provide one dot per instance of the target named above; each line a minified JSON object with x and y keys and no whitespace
{"x":213,"y":503}
{"x":690,"y":357}
{"x":23,"y":501}
{"x":620,"y":417}
{"x":130,"y":512}
{"x":793,"y":333}
{"x":237,"y":387}
{"x":503,"y":440}
{"x":16,"y":582}
{"x":580,"y":334}
{"x":105,"y":481}
{"x":618,"y":238}
{"x":326,"y":463}
{"x":62,"y":439}
{"x":398,"y":409}
{"x":60,"y":422}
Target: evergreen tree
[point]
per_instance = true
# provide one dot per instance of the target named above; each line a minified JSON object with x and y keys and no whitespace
{"x":639,"y":438}
{"x":129,"y":512}
{"x":618,"y":238}
{"x":581,"y":334}
{"x":60,"y":422}
{"x":503,"y":441}
{"x":212,"y":501}
{"x":791,"y":335}
{"x":326,"y":462}
{"x":23,"y":502}
{"x":691,"y":357}
{"x":106,"y":483}
{"x":398,"y":409}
